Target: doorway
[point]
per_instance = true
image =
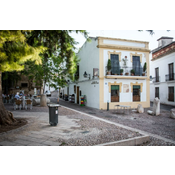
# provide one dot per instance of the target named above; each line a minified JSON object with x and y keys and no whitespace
{"x":77,"y":94}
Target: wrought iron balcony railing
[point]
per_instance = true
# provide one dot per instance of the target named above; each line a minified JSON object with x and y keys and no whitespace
{"x":170,"y":77}
{"x":117,"y":70}
{"x":156,"y":79}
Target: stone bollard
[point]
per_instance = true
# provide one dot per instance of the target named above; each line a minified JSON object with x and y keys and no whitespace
{"x":156,"y":106}
{"x":140,"y":109}
{"x":172,"y":113}
{"x":43,"y":102}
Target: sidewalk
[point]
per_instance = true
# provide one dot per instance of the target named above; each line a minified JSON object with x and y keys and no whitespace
{"x":87,"y":126}
{"x":73,"y":129}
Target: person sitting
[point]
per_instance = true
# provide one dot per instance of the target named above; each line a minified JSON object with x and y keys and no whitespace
{"x":21,"y":94}
{"x":17,"y":96}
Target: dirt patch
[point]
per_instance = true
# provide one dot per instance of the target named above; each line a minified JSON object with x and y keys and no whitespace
{"x":19,"y":122}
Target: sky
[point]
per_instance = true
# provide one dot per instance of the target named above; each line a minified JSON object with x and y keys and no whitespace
{"x":127,"y":34}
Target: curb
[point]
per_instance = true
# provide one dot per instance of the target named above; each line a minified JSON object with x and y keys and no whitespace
{"x":128,"y":142}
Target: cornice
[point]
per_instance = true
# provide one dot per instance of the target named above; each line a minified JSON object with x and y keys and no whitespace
{"x":119,"y":47}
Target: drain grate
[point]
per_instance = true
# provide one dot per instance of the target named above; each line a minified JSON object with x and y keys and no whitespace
{"x":91,"y":112}
{"x":85,"y":132}
{"x":108,"y":116}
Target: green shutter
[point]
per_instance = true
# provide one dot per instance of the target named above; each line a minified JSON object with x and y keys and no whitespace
{"x":136,"y":87}
{"x":114,"y":87}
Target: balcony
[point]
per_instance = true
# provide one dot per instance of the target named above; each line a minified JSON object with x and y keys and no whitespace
{"x":156,"y":79}
{"x":170,"y":77}
{"x":125,"y":71}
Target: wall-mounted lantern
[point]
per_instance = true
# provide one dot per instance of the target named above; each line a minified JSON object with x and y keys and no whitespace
{"x":86,"y":75}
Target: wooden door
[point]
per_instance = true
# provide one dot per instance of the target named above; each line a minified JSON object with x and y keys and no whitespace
{"x":77,"y":94}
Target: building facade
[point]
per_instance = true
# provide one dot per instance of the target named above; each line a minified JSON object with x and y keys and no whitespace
{"x":124,"y":81}
{"x":162,"y":71}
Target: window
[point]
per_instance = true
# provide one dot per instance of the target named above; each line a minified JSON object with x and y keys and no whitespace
{"x":114,"y":93}
{"x":171,"y":71}
{"x":157,"y":74}
{"x":115,"y":67}
{"x":75,"y":89}
{"x":170,"y":93}
{"x":24,"y":84}
{"x":77,"y":73}
{"x":136,"y":93}
{"x":136,"y":65}
{"x":157,"y":92}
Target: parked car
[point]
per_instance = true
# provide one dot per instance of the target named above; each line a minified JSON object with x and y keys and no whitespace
{"x":48,"y":93}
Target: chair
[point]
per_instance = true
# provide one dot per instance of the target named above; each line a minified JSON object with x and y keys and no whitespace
{"x":7,"y":99}
{"x":17,"y":104}
{"x":28,"y":103}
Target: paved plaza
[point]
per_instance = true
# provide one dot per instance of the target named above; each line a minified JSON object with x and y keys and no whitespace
{"x":84,"y":126}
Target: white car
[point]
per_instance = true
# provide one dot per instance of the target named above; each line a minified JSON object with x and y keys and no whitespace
{"x":48,"y":93}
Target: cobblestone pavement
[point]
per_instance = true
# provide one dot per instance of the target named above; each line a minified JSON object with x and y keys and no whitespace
{"x":79,"y":129}
{"x":73,"y":129}
{"x":161,"y":125}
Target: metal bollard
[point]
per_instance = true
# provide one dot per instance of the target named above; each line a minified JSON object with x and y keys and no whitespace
{"x":107,"y":106}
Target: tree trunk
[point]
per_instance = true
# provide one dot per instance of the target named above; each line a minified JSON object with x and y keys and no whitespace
{"x":6,"y":117}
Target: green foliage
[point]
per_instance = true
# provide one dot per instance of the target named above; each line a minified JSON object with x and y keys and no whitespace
{"x":109,"y":65}
{"x":121,"y":71}
{"x":132,"y":71}
{"x":59,"y":60}
{"x":14,"y":50}
{"x":144,"y":67}
{"x":125,"y":62}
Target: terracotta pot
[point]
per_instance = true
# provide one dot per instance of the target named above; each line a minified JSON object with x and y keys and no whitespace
{"x":126,"y":73}
{"x":121,"y":74}
{"x":143,"y":74}
{"x":132,"y":74}
{"x":108,"y":73}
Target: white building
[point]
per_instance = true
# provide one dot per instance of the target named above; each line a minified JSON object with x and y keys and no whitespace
{"x":162,"y":71}
{"x":100,"y":87}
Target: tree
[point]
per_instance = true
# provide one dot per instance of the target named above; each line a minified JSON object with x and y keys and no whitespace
{"x":14,"y":51}
{"x":41,"y":46}
{"x":59,"y":60}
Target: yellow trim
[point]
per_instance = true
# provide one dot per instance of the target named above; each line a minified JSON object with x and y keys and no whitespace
{"x":119,"y":39}
{"x":102,"y":104}
{"x":135,"y":54}
{"x":101,"y":79}
{"x":141,"y":86}
{"x":116,"y":53}
{"x":115,"y":83}
{"x":118,"y":47}
{"x":148,"y":81}
{"x":145,"y":104}
{"x":125,"y":77}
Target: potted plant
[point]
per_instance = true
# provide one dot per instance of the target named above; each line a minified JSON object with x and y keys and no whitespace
{"x":132,"y":72}
{"x":109,"y":67}
{"x":125,"y":62}
{"x":127,"y":73}
{"x":121,"y":71}
{"x":144,"y":69}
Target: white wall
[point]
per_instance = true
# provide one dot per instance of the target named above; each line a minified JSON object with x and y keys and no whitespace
{"x":123,"y":54}
{"x":162,"y":63}
{"x":89,"y":59}
{"x":124,"y":97}
{"x":89,"y":56}
{"x":90,"y":90}
{"x":125,"y":43}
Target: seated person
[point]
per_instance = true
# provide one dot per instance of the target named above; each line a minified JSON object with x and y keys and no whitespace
{"x":17,"y":96}
{"x":21,"y":94}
